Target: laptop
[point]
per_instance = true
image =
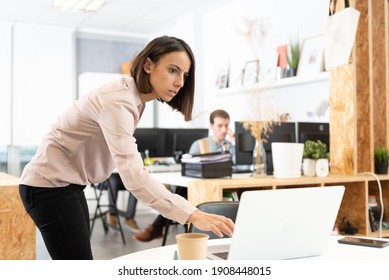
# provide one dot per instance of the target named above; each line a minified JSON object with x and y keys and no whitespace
{"x":282,"y":224}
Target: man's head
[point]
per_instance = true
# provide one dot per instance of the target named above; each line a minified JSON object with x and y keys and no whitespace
{"x":219,"y":122}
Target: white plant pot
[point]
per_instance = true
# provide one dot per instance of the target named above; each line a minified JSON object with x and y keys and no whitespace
{"x":322,"y":167}
{"x":287,"y":158}
{"x":309,"y":167}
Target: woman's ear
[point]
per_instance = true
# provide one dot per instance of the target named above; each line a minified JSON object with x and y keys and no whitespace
{"x":147,"y":65}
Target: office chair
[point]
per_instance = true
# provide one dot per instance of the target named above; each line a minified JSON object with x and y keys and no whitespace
{"x":228,"y":209}
{"x":183,"y":192}
{"x":100,"y":213}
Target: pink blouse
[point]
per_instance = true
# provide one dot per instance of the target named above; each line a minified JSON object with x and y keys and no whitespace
{"x":93,"y":137}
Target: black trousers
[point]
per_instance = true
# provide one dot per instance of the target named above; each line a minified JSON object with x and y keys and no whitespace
{"x":62,"y":216}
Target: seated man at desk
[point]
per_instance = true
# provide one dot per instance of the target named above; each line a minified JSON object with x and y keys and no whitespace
{"x":217,"y":142}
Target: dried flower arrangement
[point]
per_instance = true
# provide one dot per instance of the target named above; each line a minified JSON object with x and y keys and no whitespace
{"x":264,"y":118}
{"x":255,"y":31}
{"x":260,"y":129}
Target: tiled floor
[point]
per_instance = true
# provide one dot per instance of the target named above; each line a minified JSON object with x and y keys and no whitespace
{"x":110,"y":245}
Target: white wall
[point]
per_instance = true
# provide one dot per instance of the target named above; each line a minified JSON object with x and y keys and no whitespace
{"x":43,"y":79}
{"x":5,"y":82}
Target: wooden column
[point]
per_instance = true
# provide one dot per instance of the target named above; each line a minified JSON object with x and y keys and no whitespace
{"x":359,"y":93}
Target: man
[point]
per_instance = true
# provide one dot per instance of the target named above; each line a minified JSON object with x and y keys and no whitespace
{"x":217,"y":142}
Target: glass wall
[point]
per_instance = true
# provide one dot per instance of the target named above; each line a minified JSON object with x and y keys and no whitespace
{"x":3,"y":159}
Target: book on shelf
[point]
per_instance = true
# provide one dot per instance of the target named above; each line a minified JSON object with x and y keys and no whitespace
{"x":230,"y":196}
{"x":372,"y":221}
{"x":374,"y":214}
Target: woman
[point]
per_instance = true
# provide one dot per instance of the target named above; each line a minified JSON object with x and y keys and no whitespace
{"x":96,"y":135}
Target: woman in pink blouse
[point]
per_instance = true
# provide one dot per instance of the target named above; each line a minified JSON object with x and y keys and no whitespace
{"x":95,"y":136}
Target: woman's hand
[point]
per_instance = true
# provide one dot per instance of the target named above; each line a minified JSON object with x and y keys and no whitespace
{"x":210,"y":222}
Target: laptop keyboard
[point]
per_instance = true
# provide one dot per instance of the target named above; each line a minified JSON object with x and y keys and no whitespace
{"x":222,"y":255}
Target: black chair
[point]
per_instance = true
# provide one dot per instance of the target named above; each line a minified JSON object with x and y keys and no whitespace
{"x":183,"y":192}
{"x":101,"y":209}
{"x":228,"y":209}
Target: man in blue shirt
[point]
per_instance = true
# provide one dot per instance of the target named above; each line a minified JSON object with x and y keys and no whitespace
{"x":217,"y":142}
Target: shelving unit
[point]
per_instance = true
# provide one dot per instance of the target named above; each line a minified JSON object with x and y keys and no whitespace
{"x":354,"y":204}
{"x":286,"y":82}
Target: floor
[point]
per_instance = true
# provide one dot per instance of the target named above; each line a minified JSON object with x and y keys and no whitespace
{"x":110,"y":245}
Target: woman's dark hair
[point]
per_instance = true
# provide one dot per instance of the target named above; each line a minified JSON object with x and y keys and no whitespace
{"x":157,"y":48}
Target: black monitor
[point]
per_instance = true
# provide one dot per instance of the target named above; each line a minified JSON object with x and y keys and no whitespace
{"x":178,"y":141}
{"x":152,"y":139}
{"x":244,"y":141}
{"x":314,"y":131}
{"x":244,"y":145}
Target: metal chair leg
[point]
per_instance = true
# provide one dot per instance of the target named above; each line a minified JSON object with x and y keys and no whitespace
{"x":116,"y":212}
{"x":102,"y":214}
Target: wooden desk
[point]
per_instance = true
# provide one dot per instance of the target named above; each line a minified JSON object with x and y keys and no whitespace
{"x":17,"y":230}
{"x":354,"y":205}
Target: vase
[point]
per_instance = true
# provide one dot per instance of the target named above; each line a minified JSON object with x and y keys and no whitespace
{"x":381,"y":168}
{"x":259,"y":160}
{"x":309,"y":167}
{"x":322,"y":167}
{"x":287,"y":159}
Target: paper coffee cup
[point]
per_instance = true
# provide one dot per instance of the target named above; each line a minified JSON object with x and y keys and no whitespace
{"x":204,"y":146}
{"x":192,"y":246}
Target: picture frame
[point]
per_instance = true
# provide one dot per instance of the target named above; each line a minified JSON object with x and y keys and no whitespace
{"x":312,"y":56}
{"x":222,"y":80}
{"x":251,"y":73}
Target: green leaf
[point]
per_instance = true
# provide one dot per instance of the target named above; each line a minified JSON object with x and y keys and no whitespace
{"x":315,"y":150}
{"x":381,"y":155}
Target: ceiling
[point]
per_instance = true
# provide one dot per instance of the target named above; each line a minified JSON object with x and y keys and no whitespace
{"x":130,"y":16}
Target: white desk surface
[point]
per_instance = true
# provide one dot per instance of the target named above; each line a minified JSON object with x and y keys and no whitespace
{"x":335,"y":251}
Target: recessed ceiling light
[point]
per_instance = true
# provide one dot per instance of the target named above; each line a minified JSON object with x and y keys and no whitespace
{"x":78,"y":5}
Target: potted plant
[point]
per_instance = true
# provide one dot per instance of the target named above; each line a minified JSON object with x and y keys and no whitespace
{"x":293,"y":57}
{"x":315,"y":159}
{"x":381,"y":159}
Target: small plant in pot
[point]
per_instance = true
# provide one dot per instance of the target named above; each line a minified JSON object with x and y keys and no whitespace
{"x":293,"y":57}
{"x":381,"y":159}
{"x":315,"y":159}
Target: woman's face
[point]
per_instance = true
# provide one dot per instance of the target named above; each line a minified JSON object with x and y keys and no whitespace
{"x":167,"y":76}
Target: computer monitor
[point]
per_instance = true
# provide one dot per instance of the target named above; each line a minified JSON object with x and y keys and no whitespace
{"x":152,"y":139}
{"x":244,"y":145}
{"x":178,"y":141}
{"x":314,"y":131}
{"x":244,"y":141}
